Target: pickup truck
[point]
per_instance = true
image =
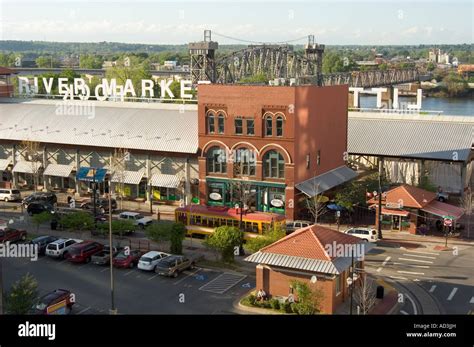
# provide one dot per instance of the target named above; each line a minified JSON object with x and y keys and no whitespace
{"x":173,"y":265}
{"x":136,"y":218}
{"x":12,"y":235}
{"x":103,"y":257}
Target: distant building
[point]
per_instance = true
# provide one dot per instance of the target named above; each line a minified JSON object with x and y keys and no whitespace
{"x":109,"y":63}
{"x":438,"y":56}
{"x":170,"y":64}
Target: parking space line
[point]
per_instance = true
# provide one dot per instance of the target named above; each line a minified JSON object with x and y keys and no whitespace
{"x":453,"y":292}
{"x":84,"y":310}
{"x":419,"y":256}
{"x":152,"y":277}
{"x":472,"y":300}
{"x":106,"y":269}
{"x":433,"y":287}
{"x":187,"y":276}
{"x":128,"y":273}
{"x":421,"y":261}
{"x":404,"y":312}
{"x":413,"y":304}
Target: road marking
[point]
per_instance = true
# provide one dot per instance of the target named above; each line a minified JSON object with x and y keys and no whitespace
{"x":413,"y":303}
{"x":222,"y":283}
{"x":383,"y":264}
{"x":411,"y":273}
{"x":421,"y":261}
{"x":451,"y":295}
{"x":423,"y":252}
{"x":411,"y":265}
{"x":128,"y":273}
{"x":189,"y":275}
{"x":399,"y":278}
{"x":84,"y":310}
{"x":403,"y":312}
{"x":103,"y":270}
{"x":419,"y":256}
{"x":472,"y":300}
{"x":152,"y":277}
{"x":433,"y":287}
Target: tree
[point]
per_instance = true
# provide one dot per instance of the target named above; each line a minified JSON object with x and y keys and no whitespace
{"x":430,"y":66}
{"x":173,"y":232}
{"x":46,"y":62}
{"x":77,"y":221}
{"x":41,"y":218}
{"x":364,"y":294}
{"x":224,"y":240}
{"x":90,"y":61}
{"x":130,"y":68}
{"x":269,"y":237}
{"x":22,"y":296}
{"x":455,"y":85}
{"x":31,"y":153}
{"x":308,"y":301}
{"x":315,"y":204}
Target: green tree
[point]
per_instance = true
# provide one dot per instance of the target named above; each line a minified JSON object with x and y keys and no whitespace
{"x":259,"y":78}
{"x":130,"y":67}
{"x":77,"y":221}
{"x":177,"y":234}
{"x":41,"y":218}
{"x":308,"y":301}
{"x":90,"y":61}
{"x":119,"y":227}
{"x":22,"y":296}
{"x":257,"y":243}
{"x":173,"y":232}
{"x":383,"y":66}
{"x":46,"y":62}
{"x":431,"y":66}
{"x":224,"y":240}
{"x":455,"y":85}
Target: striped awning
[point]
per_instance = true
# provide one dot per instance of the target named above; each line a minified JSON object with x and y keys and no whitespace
{"x":128,"y":177}
{"x":58,"y":170}
{"x":29,"y":167}
{"x":4,"y":164}
{"x":165,"y":181}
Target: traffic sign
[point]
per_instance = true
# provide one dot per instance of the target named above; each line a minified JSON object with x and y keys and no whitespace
{"x":448,"y":222}
{"x":349,"y":281}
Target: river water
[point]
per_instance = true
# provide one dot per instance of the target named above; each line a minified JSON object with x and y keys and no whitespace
{"x":448,"y":106}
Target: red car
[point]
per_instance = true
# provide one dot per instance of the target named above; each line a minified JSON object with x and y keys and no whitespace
{"x":130,"y":260}
{"x":12,"y":235}
{"x":52,"y":298}
{"x":83,"y":251}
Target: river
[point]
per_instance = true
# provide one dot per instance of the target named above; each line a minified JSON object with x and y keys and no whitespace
{"x":449,"y":106}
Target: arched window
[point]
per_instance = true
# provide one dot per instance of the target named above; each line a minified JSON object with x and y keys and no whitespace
{"x":268,"y":126}
{"x":244,"y":162}
{"x":273,"y":165}
{"x":279,"y":126}
{"x":220,"y":123}
{"x":211,"y":125}
{"x":216,"y":160}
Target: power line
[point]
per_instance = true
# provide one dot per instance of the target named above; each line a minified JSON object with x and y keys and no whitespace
{"x":258,"y":42}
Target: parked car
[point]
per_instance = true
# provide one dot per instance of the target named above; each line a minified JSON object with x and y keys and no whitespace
{"x":10,"y":194}
{"x":149,"y":260}
{"x":42,"y":242}
{"x":59,"y":248}
{"x":137,"y":218}
{"x":83,"y":251}
{"x":442,"y":196}
{"x":44,"y":197}
{"x":102,"y":205}
{"x":52,"y":298}
{"x":103,"y":257}
{"x":12,"y":235}
{"x":366,"y":234}
{"x":296,"y":224}
{"x":173,"y":265}
{"x":39,"y":207}
{"x":124,"y":260}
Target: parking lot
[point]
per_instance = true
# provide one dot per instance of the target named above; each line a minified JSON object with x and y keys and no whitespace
{"x":197,"y":291}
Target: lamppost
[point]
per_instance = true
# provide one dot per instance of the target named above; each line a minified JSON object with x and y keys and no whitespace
{"x":379,"y":224}
{"x":113,"y":310}
{"x":94,"y":192}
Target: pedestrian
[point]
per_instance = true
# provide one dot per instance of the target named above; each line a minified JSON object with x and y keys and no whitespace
{"x":261,"y":295}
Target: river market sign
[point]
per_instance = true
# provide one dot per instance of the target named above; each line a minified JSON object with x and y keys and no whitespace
{"x":105,"y":90}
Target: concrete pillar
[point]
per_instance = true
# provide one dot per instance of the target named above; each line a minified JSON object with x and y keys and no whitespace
{"x":45,"y":163}
{"x":78,"y":165}
{"x":354,"y":98}
{"x":14,"y":175}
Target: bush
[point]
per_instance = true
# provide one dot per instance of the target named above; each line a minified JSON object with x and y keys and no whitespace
{"x":22,"y":296}
{"x":269,"y":237}
{"x":177,"y":234}
{"x":77,"y":221}
{"x":275,"y":304}
{"x":250,"y":300}
{"x":286,"y":307}
{"x":224,"y":239}
{"x":173,"y":232}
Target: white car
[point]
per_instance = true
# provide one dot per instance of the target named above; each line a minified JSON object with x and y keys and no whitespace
{"x":10,"y":194}
{"x":59,"y":248}
{"x":149,"y":260}
{"x":137,"y":218}
{"x":366,"y":234}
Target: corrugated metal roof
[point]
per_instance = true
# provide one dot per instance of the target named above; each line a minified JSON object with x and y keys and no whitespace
{"x":58,"y":170}
{"x":165,"y":181}
{"x":128,"y":177}
{"x":4,"y":164}
{"x":292,"y":262}
{"x":157,"y":129}
{"x":326,"y":181}
{"x":410,"y":137}
{"x":27,"y":166}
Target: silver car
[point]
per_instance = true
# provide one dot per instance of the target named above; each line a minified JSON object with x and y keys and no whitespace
{"x":149,"y":260}
{"x":10,"y":194}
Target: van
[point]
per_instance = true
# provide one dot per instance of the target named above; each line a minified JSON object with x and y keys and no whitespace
{"x":59,"y":248}
{"x":10,"y":194}
{"x":296,"y":224}
{"x":366,"y":234}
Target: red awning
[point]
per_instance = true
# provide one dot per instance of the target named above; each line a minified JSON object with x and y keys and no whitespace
{"x":441,"y":209}
{"x":391,"y":212}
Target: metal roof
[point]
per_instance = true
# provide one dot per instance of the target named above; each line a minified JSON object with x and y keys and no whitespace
{"x":165,"y":181}
{"x":128,"y":177}
{"x":166,"y":128}
{"x":4,"y":164}
{"x":420,"y":137}
{"x":26,"y":166}
{"x":326,"y":181}
{"x":58,"y":170}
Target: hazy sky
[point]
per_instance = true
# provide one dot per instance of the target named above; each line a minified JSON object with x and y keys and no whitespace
{"x":177,"y":22}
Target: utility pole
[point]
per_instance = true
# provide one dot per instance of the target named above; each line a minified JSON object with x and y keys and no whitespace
{"x":113,"y":310}
{"x":352,"y":277}
{"x":2,"y":301}
{"x":379,"y":225}
{"x":94,"y":190}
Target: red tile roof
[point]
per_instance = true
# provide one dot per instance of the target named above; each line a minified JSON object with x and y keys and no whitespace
{"x":310,"y":242}
{"x":408,"y":195}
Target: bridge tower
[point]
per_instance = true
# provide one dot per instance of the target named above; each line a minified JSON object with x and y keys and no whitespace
{"x":203,"y":67}
{"x":314,"y":57}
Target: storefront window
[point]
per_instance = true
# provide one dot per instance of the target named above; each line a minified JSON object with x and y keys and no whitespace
{"x":216,"y":160}
{"x":273,"y":165}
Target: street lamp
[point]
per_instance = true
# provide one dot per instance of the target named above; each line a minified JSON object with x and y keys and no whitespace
{"x":379,"y":224}
{"x":113,"y":310}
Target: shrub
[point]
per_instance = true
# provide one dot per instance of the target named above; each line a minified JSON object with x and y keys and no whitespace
{"x":275,"y":304}
{"x":224,"y":239}
{"x":77,"y":221}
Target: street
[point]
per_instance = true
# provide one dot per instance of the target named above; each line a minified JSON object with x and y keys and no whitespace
{"x":432,"y":281}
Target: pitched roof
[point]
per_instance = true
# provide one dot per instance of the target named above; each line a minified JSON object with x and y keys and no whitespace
{"x":409,"y":196}
{"x":422,"y":137}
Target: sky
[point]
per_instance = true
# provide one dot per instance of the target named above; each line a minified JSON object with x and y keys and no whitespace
{"x":337,"y":22}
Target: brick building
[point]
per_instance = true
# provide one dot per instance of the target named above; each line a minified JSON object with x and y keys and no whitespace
{"x":282,"y":142}
{"x":310,"y":253}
